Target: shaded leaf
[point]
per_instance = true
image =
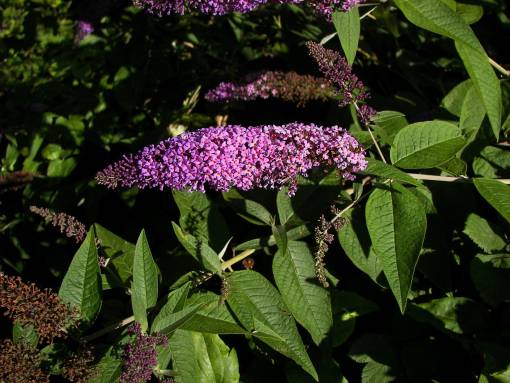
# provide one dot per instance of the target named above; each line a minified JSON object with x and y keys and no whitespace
{"x":397,"y":224}
{"x":481,"y":233}
{"x":260,"y":309}
{"x":144,"y":289}
{"x":294,"y":274}
{"x":496,"y":194}
{"x":81,"y":286}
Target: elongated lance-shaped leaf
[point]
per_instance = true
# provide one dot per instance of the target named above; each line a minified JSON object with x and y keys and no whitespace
{"x":81,"y":286}
{"x":437,"y":17}
{"x":495,"y":193}
{"x":261,"y":310}
{"x":308,"y":301}
{"x":397,"y":224}
{"x":144,"y":289}
{"x":347,"y":25}
{"x":167,"y":324}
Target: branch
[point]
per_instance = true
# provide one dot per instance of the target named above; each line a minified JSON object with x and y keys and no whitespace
{"x":429,"y":177}
{"x":499,"y":68}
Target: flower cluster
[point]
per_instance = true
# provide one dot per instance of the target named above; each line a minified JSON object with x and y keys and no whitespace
{"x":21,"y":363}
{"x":323,"y":238}
{"x":267,"y":157}
{"x":67,"y":224}
{"x":140,"y":357}
{"x":77,"y":367}
{"x":339,"y":74}
{"x":221,"y":7}
{"x":83,"y":29}
{"x":289,"y":86}
{"x":29,"y":305}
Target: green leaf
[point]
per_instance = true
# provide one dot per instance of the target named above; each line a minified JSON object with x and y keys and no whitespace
{"x":24,"y":334}
{"x":310,"y":303}
{"x":470,"y":13}
{"x":481,"y":233}
{"x":167,"y":324}
{"x":388,"y":123}
{"x":426,"y":144}
{"x":213,"y":316}
{"x":493,"y":283}
{"x":437,"y":17}
{"x":175,"y":301}
{"x":356,"y":243}
{"x":108,"y":370}
{"x":374,"y":372}
{"x":250,"y":210}
{"x":261,"y":310}
{"x":456,"y":314}
{"x":298,"y":210}
{"x":144,"y":289}
{"x":81,"y":286}
{"x":203,"y":358}
{"x":471,"y":116}
{"x":201,"y":218}
{"x":200,"y":250}
{"x":454,"y":100}
{"x":397,"y":224}
{"x":120,"y":252}
{"x":387,"y":171}
{"x":455,"y":167}
{"x":496,"y":194}
{"x":347,"y":25}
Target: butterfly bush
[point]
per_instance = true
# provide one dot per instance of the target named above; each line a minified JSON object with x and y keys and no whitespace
{"x":83,"y":29}
{"x":289,"y":86}
{"x":267,"y":157}
{"x":221,"y":7}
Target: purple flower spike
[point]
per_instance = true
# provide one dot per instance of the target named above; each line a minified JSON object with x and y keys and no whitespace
{"x":339,"y":74}
{"x":140,"y":357}
{"x":288,"y":86}
{"x":222,"y":7}
{"x":267,"y":157}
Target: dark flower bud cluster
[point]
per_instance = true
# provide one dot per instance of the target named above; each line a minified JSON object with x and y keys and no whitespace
{"x":77,"y":367}
{"x":21,"y":363}
{"x":288,"y":86}
{"x":140,"y":356}
{"x":15,"y":180}
{"x":29,"y":305}
{"x":323,"y":238}
{"x":348,"y":86}
{"x":267,"y":157}
{"x":67,"y":224}
{"x":221,"y":7}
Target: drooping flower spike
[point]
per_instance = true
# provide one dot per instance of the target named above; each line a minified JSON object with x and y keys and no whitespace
{"x":246,"y":158}
{"x":288,"y":86}
{"x":221,"y":7}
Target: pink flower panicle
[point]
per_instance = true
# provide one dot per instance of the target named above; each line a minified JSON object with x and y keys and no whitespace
{"x":140,"y":356}
{"x":267,"y":157}
{"x":288,"y":86}
{"x":221,"y":7}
